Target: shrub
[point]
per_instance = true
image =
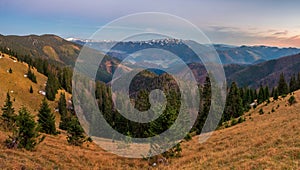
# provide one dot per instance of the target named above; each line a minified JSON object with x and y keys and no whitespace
{"x":241,"y":119}
{"x":273,"y":110}
{"x":233,"y":122}
{"x":188,"y":137}
{"x":261,"y":111}
{"x":226,"y":125}
{"x":292,"y":100}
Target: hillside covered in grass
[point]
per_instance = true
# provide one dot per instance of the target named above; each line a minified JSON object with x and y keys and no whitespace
{"x":268,"y":139}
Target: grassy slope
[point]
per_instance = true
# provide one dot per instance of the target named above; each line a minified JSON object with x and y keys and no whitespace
{"x":20,"y":85}
{"x":268,"y":141}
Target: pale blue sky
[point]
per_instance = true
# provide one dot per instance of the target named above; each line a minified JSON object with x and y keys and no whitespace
{"x":235,"y":22}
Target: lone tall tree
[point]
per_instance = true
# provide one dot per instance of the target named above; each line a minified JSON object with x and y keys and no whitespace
{"x":46,"y":119}
{"x":8,"y":113}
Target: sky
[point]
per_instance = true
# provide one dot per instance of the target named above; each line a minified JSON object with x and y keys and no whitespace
{"x":235,"y":22}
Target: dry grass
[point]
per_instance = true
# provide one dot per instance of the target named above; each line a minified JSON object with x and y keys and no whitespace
{"x":268,"y":141}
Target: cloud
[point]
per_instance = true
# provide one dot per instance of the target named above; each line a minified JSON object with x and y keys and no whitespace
{"x":254,"y":36}
{"x":281,"y":33}
{"x":222,"y":28}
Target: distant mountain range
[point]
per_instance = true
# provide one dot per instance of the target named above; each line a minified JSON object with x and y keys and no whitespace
{"x":247,"y":65}
{"x":227,"y":53}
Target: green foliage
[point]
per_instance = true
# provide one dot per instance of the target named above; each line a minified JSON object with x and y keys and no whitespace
{"x":51,"y":87}
{"x":261,"y":111}
{"x":65,"y":78}
{"x":276,"y":94}
{"x":8,"y":113}
{"x":241,"y":119}
{"x":46,"y":119}
{"x":205,"y":105}
{"x":30,"y":89}
{"x":233,"y":107}
{"x":188,"y":137}
{"x":10,"y":71}
{"x":293,"y":83}
{"x":31,"y":76}
{"x":75,"y":133}
{"x":292,"y":100}
{"x":273,"y":110}
{"x":62,"y":109}
{"x":25,"y":135}
{"x":233,"y":122}
{"x":282,"y":85}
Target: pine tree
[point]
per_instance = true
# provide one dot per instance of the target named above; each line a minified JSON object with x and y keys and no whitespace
{"x":46,"y":119}
{"x":234,"y":106}
{"x":298,"y":81}
{"x":206,"y":102}
{"x":293,"y":83}
{"x":62,"y":109}
{"x":272,"y":93}
{"x":31,"y":75}
{"x":26,"y":134}
{"x":51,"y":87}
{"x":261,"y":95}
{"x":8,"y":113}
{"x":75,"y":133}
{"x":30,"y":89}
{"x":276,"y":94}
{"x":282,"y":85}
{"x":267,"y":93}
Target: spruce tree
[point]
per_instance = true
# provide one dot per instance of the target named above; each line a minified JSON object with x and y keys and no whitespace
{"x":51,"y":87}
{"x":206,"y":102}
{"x":293,"y":83}
{"x":233,"y":107}
{"x":261,"y":95}
{"x":282,"y":85}
{"x":272,"y":93}
{"x":75,"y":133}
{"x":46,"y":119}
{"x":31,"y":75}
{"x":62,"y":109}
{"x":30,"y":89}
{"x":8,"y":113}
{"x":26,"y":133}
{"x":298,"y":81}
{"x":267,"y":93}
{"x":276,"y":94}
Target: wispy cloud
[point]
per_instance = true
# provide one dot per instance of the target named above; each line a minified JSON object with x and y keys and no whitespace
{"x":253,"y":36}
{"x":281,"y":33}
